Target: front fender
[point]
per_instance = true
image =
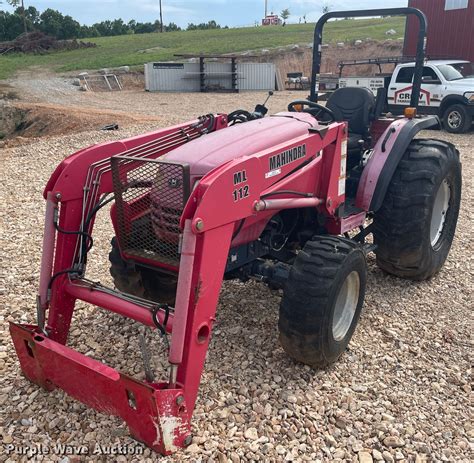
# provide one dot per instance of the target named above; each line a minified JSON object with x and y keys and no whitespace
{"x":387,"y":153}
{"x":449,"y":100}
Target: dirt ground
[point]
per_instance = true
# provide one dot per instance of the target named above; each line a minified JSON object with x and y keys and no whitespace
{"x":400,"y":393}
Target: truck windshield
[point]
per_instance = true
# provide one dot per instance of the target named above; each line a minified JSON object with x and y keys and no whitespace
{"x":456,"y":71}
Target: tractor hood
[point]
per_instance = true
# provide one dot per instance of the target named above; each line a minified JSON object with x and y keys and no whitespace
{"x":217,"y":148}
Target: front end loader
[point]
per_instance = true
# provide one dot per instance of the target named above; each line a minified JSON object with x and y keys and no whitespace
{"x":289,"y":199}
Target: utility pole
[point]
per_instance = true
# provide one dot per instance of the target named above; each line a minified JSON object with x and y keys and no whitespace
{"x":161,"y":18}
{"x":266,"y":8}
{"x":23,"y":13}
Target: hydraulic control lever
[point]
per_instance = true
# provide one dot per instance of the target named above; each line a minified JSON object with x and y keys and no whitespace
{"x":261,"y":110}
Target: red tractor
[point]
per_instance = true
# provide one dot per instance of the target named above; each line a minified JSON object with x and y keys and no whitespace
{"x":289,"y":199}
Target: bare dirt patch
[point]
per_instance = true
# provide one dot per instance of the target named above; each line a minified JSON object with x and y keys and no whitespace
{"x":31,"y":120}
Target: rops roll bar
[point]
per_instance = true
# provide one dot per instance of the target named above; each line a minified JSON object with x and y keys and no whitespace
{"x":420,"y":49}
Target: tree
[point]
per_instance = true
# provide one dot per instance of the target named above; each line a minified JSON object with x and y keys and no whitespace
{"x":119,"y":27}
{"x":32,"y":16}
{"x":172,"y":27}
{"x":19,"y":4}
{"x":326,"y":8}
{"x":88,"y":31}
{"x":203,"y":26}
{"x":53,"y":22}
{"x":285,"y":14}
{"x":11,"y":26}
{"x":104,"y":28}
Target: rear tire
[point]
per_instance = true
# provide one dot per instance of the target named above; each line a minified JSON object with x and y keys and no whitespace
{"x":456,"y":119}
{"x":322,"y":300}
{"x":143,"y":282}
{"x":415,"y":226}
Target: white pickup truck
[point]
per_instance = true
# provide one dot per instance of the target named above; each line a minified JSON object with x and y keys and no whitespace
{"x":447,"y":90}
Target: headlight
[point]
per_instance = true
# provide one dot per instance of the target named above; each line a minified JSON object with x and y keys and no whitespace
{"x":469,"y":96}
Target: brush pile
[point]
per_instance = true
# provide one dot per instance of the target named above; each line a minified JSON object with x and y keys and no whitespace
{"x":37,"y":42}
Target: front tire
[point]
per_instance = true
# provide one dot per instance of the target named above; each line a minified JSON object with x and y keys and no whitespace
{"x":456,"y":119}
{"x":322,"y":300}
{"x":415,"y":226}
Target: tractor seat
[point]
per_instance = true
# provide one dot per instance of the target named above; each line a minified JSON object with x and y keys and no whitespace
{"x":354,"y":105}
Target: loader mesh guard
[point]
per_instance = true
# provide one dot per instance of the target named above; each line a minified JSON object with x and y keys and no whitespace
{"x":150,"y":196}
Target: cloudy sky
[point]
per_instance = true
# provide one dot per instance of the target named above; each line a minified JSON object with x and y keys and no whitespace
{"x":182,"y":12}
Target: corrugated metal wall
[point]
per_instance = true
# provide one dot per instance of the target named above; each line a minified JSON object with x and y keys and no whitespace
{"x":172,"y":77}
{"x":256,"y":76}
{"x":450,"y":33}
{"x":184,"y":77}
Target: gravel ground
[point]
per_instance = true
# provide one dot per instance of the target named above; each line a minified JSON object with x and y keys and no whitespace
{"x":401,"y":392}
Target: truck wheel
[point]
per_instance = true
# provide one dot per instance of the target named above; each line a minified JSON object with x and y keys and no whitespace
{"x":322,"y":300}
{"x":456,"y":119}
{"x":141,"y":281}
{"x":415,"y":226}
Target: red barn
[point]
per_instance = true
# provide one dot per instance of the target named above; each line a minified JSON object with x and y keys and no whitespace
{"x":450,"y":29}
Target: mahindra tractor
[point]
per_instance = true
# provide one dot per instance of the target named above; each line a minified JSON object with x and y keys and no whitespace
{"x":296,"y":200}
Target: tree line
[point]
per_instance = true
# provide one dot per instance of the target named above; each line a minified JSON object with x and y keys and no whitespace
{"x":63,"y":27}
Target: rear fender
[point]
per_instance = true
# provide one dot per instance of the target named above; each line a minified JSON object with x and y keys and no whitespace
{"x":388,"y":152}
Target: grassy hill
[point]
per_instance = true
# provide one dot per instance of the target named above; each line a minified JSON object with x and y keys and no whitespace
{"x":134,"y":50}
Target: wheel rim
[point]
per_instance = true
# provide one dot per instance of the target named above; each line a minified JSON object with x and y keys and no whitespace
{"x":440,"y":209}
{"x":454,"y":119}
{"x":346,"y":304}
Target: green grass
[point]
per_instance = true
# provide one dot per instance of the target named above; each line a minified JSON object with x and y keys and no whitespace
{"x":134,"y":50}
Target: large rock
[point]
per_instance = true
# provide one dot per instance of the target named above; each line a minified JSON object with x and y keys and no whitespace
{"x":393,"y":442}
{"x":251,"y":433}
{"x":365,"y":457}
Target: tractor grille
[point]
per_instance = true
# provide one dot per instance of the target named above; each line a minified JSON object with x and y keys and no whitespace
{"x":150,"y":196}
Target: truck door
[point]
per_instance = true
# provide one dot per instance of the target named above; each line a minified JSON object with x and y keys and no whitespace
{"x":399,"y":94}
{"x":399,"y":90}
{"x":431,"y":90}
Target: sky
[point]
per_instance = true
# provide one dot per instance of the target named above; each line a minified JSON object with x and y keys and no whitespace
{"x":182,"y":12}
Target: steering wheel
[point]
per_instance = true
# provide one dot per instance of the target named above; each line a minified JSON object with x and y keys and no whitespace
{"x":239,"y":116}
{"x":314,"y":109}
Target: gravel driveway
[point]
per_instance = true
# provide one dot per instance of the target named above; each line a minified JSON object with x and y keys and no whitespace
{"x":401,"y":392}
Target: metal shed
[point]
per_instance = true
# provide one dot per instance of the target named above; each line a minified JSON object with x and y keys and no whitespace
{"x":450,"y":29}
{"x":209,"y":77}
